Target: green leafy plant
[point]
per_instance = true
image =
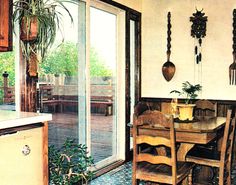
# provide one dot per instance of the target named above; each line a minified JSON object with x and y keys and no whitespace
{"x":189,"y":91}
{"x":48,"y":15}
{"x":69,"y":164}
{"x":97,"y":65}
{"x":61,"y":60}
{"x":64,"y":60}
{"x":7,"y":63}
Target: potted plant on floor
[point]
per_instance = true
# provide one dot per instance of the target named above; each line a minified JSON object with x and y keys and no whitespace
{"x":39,"y":21}
{"x":68,"y":165}
{"x":190,"y":92}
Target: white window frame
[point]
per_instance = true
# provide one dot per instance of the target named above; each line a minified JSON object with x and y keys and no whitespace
{"x":120,"y":130}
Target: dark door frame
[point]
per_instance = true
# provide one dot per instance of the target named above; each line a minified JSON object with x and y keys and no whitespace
{"x":136,"y":17}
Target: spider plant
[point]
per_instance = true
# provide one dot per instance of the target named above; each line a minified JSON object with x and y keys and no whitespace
{"x":48,"y":16}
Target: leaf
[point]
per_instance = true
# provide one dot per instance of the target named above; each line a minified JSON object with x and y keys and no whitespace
{"x":175,"y":91}
{"x":189,"y":90}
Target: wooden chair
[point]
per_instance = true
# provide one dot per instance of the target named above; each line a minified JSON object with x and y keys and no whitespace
{"x":166,"y":108}
{"x":154,"y":167}
{"x":140,"y":107}
{"x":221,"y":160}
{"x":205,"y":109}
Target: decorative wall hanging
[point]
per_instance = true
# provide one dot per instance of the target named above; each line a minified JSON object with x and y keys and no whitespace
{"x":198,"y":31}
{"x":232,"y":67}
{"x":168,"y":68}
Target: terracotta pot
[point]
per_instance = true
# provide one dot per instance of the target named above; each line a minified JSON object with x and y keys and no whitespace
{"x":29,"y":28}
{"x":186,"y":111}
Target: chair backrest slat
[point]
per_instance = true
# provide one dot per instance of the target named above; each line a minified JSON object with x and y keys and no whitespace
{"x":155,"y":119}
{"x":154,"y":141}
{"x":226,"y":149}
{"x":205,"y":109}
{"x":153,"y":159}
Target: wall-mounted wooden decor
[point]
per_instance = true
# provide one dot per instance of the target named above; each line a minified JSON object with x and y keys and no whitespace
{"x":232,"y":67}
{"x":168,"y":68}
{"x":198,"y":31}
{"x":5,"y":25}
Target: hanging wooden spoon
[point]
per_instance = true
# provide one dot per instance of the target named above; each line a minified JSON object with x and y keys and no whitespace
{"x":168,"y":68}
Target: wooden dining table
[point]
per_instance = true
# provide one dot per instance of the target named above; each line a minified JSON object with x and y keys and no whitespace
{"x":188,"y":134}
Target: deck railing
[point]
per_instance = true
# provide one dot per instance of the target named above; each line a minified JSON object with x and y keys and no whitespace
{"x":57,"y":94}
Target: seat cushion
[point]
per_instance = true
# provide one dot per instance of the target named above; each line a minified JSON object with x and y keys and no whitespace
{"x":162,"y":173}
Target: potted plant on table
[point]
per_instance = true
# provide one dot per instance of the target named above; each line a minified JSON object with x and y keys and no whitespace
{"x":190,"y":92}
{"x":39,"y":21}
{"x":69,"y":164}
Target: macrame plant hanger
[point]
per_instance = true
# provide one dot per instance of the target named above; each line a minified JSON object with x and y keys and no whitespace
{"x":198,"y":32}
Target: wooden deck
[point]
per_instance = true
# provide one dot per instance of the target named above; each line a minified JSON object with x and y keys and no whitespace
{"x":65,"y":125}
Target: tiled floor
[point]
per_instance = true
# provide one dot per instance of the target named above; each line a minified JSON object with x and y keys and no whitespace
{"x":119,"y":176}
{"x":123,"y":176}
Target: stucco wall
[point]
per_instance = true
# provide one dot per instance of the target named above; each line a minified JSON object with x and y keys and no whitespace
{"x":134,"y":4}
{"x":216,"y":47}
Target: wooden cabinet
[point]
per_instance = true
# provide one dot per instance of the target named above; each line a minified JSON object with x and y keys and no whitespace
{"x":23,"y":148}
{"x":21,"y":157}
{"x":5,"y":25}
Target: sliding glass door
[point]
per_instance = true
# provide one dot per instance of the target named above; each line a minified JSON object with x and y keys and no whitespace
{"x":106,"y":64}
{"x":58,"y":79}
{"x":103,"y":84}
{"x":86,"y":81}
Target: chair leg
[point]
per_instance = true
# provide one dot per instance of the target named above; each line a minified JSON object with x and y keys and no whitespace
{"x":228,"y":168}
{"x":190,"y":177}
{"x":135,"y":181}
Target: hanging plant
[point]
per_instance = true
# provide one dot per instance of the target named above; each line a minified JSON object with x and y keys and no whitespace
{"x":28,"y":28}
{"x":198,"y":31}
{"x":39,"y":22}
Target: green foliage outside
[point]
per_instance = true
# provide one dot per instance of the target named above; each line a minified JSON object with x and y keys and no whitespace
{"x":61,"y":60}
{"x":7,"y":64}
{"x":98,"y":67}
{"x":64,"y":60}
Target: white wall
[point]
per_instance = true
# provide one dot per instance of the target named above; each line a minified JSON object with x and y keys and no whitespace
{"x":216,"y":47}
{"x":134,"y":4}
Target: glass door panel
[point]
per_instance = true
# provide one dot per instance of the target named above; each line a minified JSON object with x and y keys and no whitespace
{"x":58,"y":82}
{"x":103,"y":84}
{"x":132,"y":73}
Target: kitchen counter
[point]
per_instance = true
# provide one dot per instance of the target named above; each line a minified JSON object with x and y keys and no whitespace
{"x":24,"y":148}
{"x":9,"y":119}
